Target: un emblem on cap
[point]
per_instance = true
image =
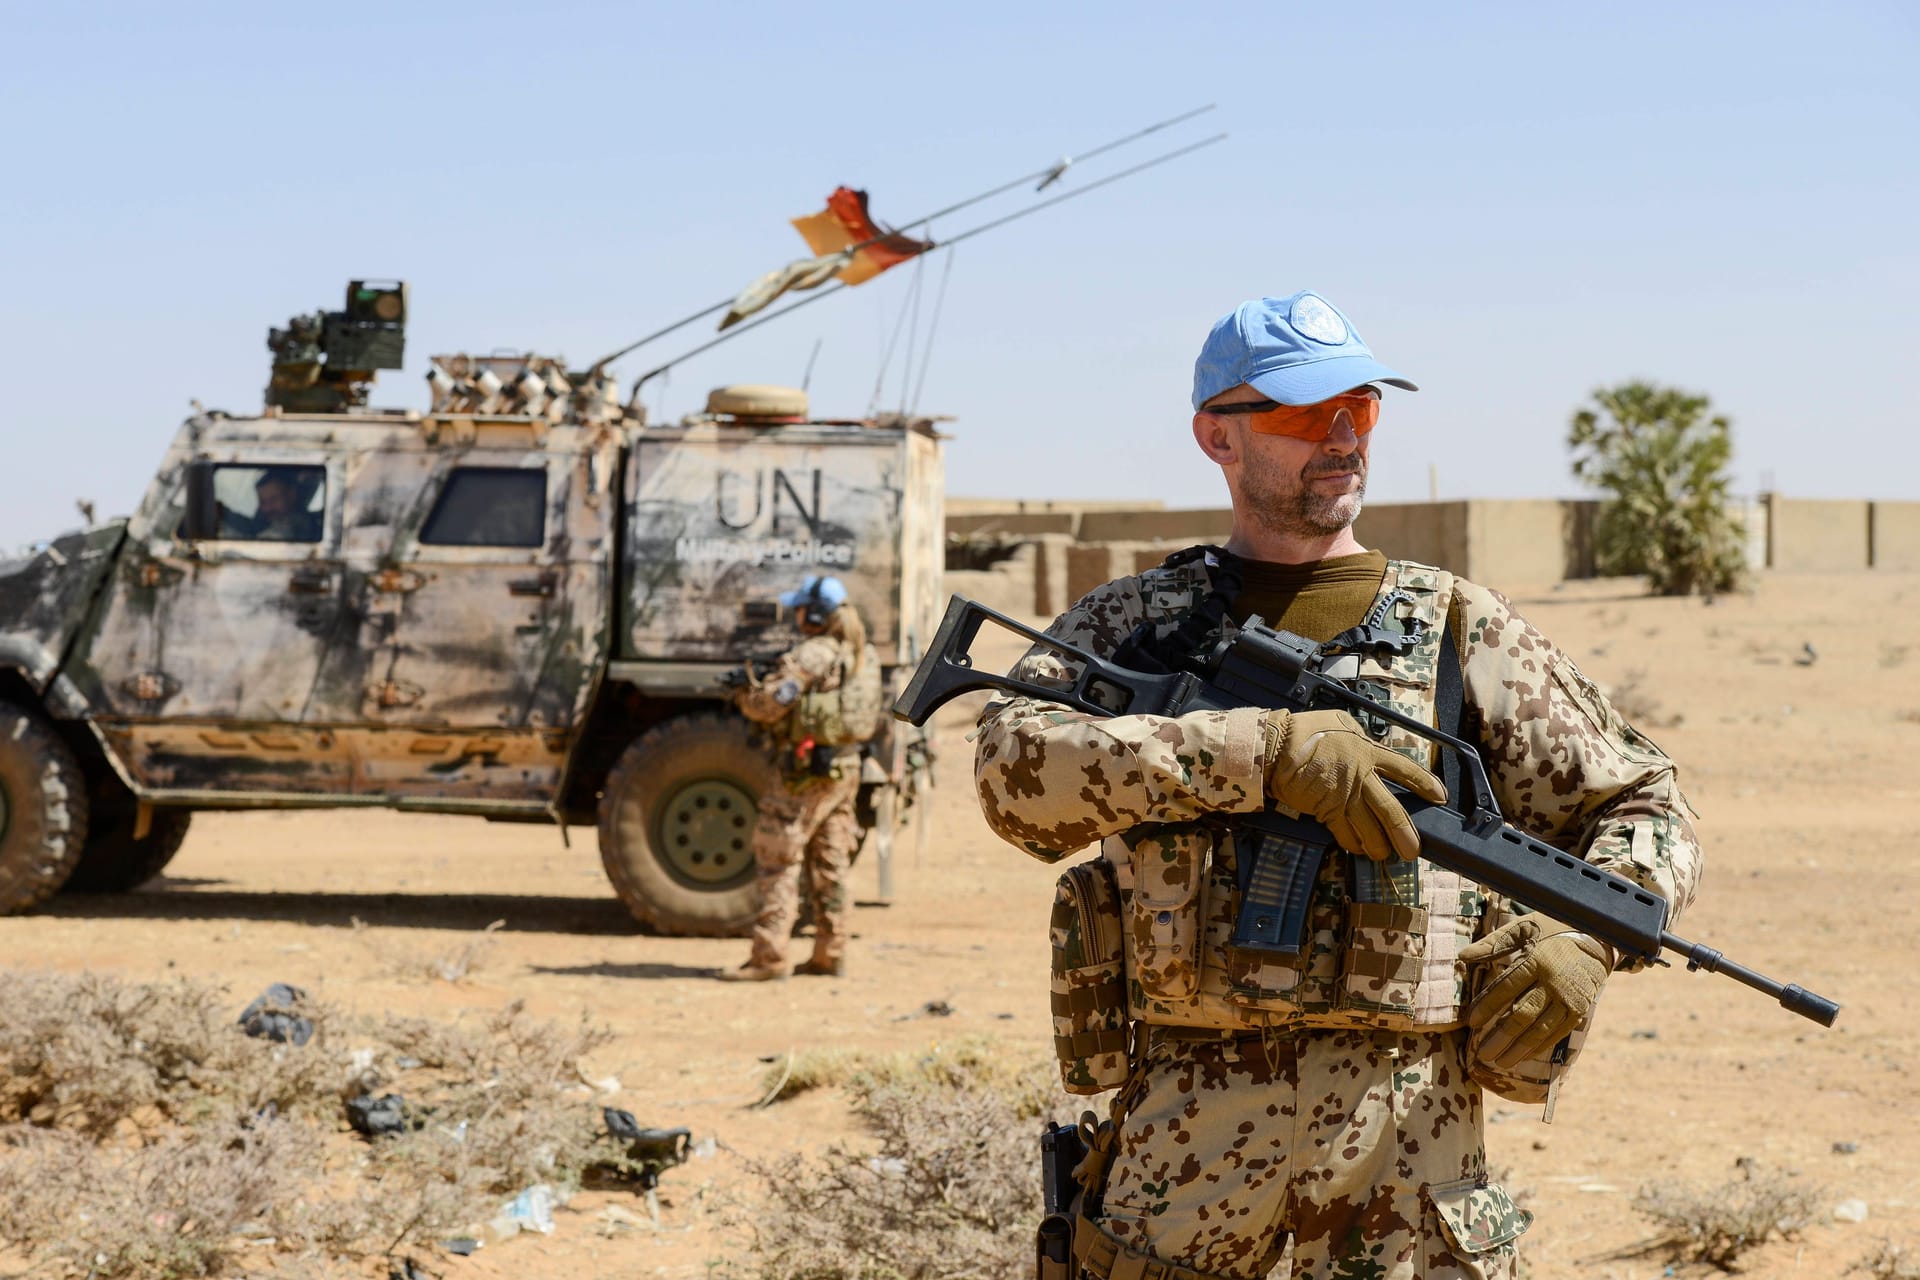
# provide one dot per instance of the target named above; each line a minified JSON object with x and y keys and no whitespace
{"x":1293,"y":349}
{"x":1313,"y":318}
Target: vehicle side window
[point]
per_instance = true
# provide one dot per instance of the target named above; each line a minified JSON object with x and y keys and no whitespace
{"x":489,"y":507}
{"x":275,"y":503}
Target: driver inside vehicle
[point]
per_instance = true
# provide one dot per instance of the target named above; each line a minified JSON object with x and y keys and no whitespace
{"x":282,"y":510}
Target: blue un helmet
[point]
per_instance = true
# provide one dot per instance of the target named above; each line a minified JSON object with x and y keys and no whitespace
{"x":816,"y":598}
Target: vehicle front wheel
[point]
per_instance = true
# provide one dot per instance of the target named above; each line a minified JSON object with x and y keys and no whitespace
{"x":113,"y":860}
{"x":43,"y":810}
{"x":676,"y":825}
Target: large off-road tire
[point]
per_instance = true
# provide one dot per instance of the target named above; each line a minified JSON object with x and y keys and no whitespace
{"x":112,"y":861}
{"x":676,"y":825}
{"x":43,"y":810}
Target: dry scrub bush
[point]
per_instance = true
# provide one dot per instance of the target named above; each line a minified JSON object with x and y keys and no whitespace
{"x":182,"y":1205}
{"x":454,"y":965}
{"x":497,"y":1110}
{"x":965,"y":1060}
{"x":87,"y":1052}
{"x":951,"y":1190}
{"x":458,"y":963}
{"x":1889,"y":1262}
{"x":808,"y":1069}
{"x":150,"y":1102}
{"x":1717,"y":1224}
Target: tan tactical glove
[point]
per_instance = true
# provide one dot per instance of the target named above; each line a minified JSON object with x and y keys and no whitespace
{"x":1324,"y":764}
{"x":1551,"y":980}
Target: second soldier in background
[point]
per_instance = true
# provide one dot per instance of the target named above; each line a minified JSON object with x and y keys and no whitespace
{"x":820,"y":701}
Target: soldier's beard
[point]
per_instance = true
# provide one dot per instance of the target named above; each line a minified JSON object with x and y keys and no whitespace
{"x":1288,"y":505}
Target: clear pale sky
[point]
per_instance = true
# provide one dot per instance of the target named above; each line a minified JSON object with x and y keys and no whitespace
{"x":1515,"y":204}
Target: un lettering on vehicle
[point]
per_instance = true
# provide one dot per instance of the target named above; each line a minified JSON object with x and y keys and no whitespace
{"x":721,"y":526}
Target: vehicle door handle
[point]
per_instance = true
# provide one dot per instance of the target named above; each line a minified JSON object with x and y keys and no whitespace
{"x":541,"y":586}
{"x":310,"y":581}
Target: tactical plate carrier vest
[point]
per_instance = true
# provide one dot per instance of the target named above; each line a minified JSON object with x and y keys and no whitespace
{"x":1381,"y":937}
{"x":849,"y":712}
{"x":1153,"y":917}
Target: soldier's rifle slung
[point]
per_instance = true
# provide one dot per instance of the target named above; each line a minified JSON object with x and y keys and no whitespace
{"x":750,"y":672}
{"x":1262,"y":667}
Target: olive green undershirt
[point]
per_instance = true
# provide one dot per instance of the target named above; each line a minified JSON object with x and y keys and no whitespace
{"x":1317,"y":600}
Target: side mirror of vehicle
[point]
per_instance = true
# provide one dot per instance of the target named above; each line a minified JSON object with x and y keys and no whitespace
{"x":203,"y":512}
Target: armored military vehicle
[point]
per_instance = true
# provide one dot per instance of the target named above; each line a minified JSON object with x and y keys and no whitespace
{"x":518,"y":605}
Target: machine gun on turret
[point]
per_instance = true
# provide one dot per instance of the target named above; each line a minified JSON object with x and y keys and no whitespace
{"x":324,"y":362}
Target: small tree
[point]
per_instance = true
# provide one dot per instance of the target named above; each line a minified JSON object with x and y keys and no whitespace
{"x":1661,"y":461}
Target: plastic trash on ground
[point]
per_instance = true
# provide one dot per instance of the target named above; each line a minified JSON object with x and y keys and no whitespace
{"x":273,"y":1016}
{"x":531,"y":1210}
{"x":379,"y":1117}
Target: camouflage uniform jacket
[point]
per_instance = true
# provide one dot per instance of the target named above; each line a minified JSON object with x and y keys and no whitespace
{"x":1158,"y":793}
{"x":812,"y":666}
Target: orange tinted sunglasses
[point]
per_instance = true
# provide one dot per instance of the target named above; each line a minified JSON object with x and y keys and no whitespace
{"x":1312,"y":422}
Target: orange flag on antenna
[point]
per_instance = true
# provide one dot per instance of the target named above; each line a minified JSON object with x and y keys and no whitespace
{"x":832,"y":234}
{"x":844,"y":223}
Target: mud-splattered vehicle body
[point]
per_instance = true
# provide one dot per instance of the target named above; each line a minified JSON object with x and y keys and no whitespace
{"x":517,"y":605}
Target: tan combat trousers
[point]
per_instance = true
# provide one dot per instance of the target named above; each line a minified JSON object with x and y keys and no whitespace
{"x":812,"y":827}
{"x":1364,"y":1147}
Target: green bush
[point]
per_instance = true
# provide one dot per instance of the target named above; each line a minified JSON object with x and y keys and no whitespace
{"x":1660,"y":457}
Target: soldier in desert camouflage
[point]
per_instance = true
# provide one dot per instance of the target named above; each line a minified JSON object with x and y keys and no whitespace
{"x":820,"y":700}
{"x":1331,"y":1100}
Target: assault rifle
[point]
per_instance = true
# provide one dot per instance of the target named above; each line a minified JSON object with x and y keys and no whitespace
{"x":752,"y":671}
{"x":1262,"y":667}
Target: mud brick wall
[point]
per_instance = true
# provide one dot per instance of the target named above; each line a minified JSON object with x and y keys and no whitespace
{"x":1894,"y":535}
{"x":1029,"y":582}
{"x":1814,"y":535}
{"x":1175,"y":528}
{"x":1066,"y":551}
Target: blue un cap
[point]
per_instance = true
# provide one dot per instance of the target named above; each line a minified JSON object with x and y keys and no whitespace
{"x":1293,"y":350}
{"x":825,"y":594}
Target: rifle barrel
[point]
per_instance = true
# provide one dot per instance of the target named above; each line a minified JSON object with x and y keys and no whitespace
{"x":1792,"y":996}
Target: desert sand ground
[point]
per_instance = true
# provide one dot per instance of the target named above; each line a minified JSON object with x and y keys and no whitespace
{"x":1804,"y":775}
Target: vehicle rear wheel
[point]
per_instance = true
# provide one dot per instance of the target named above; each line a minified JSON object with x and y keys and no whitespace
{"x":43,"y":810}
{"x":676,"y":825}
{"x":112,"y":860}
